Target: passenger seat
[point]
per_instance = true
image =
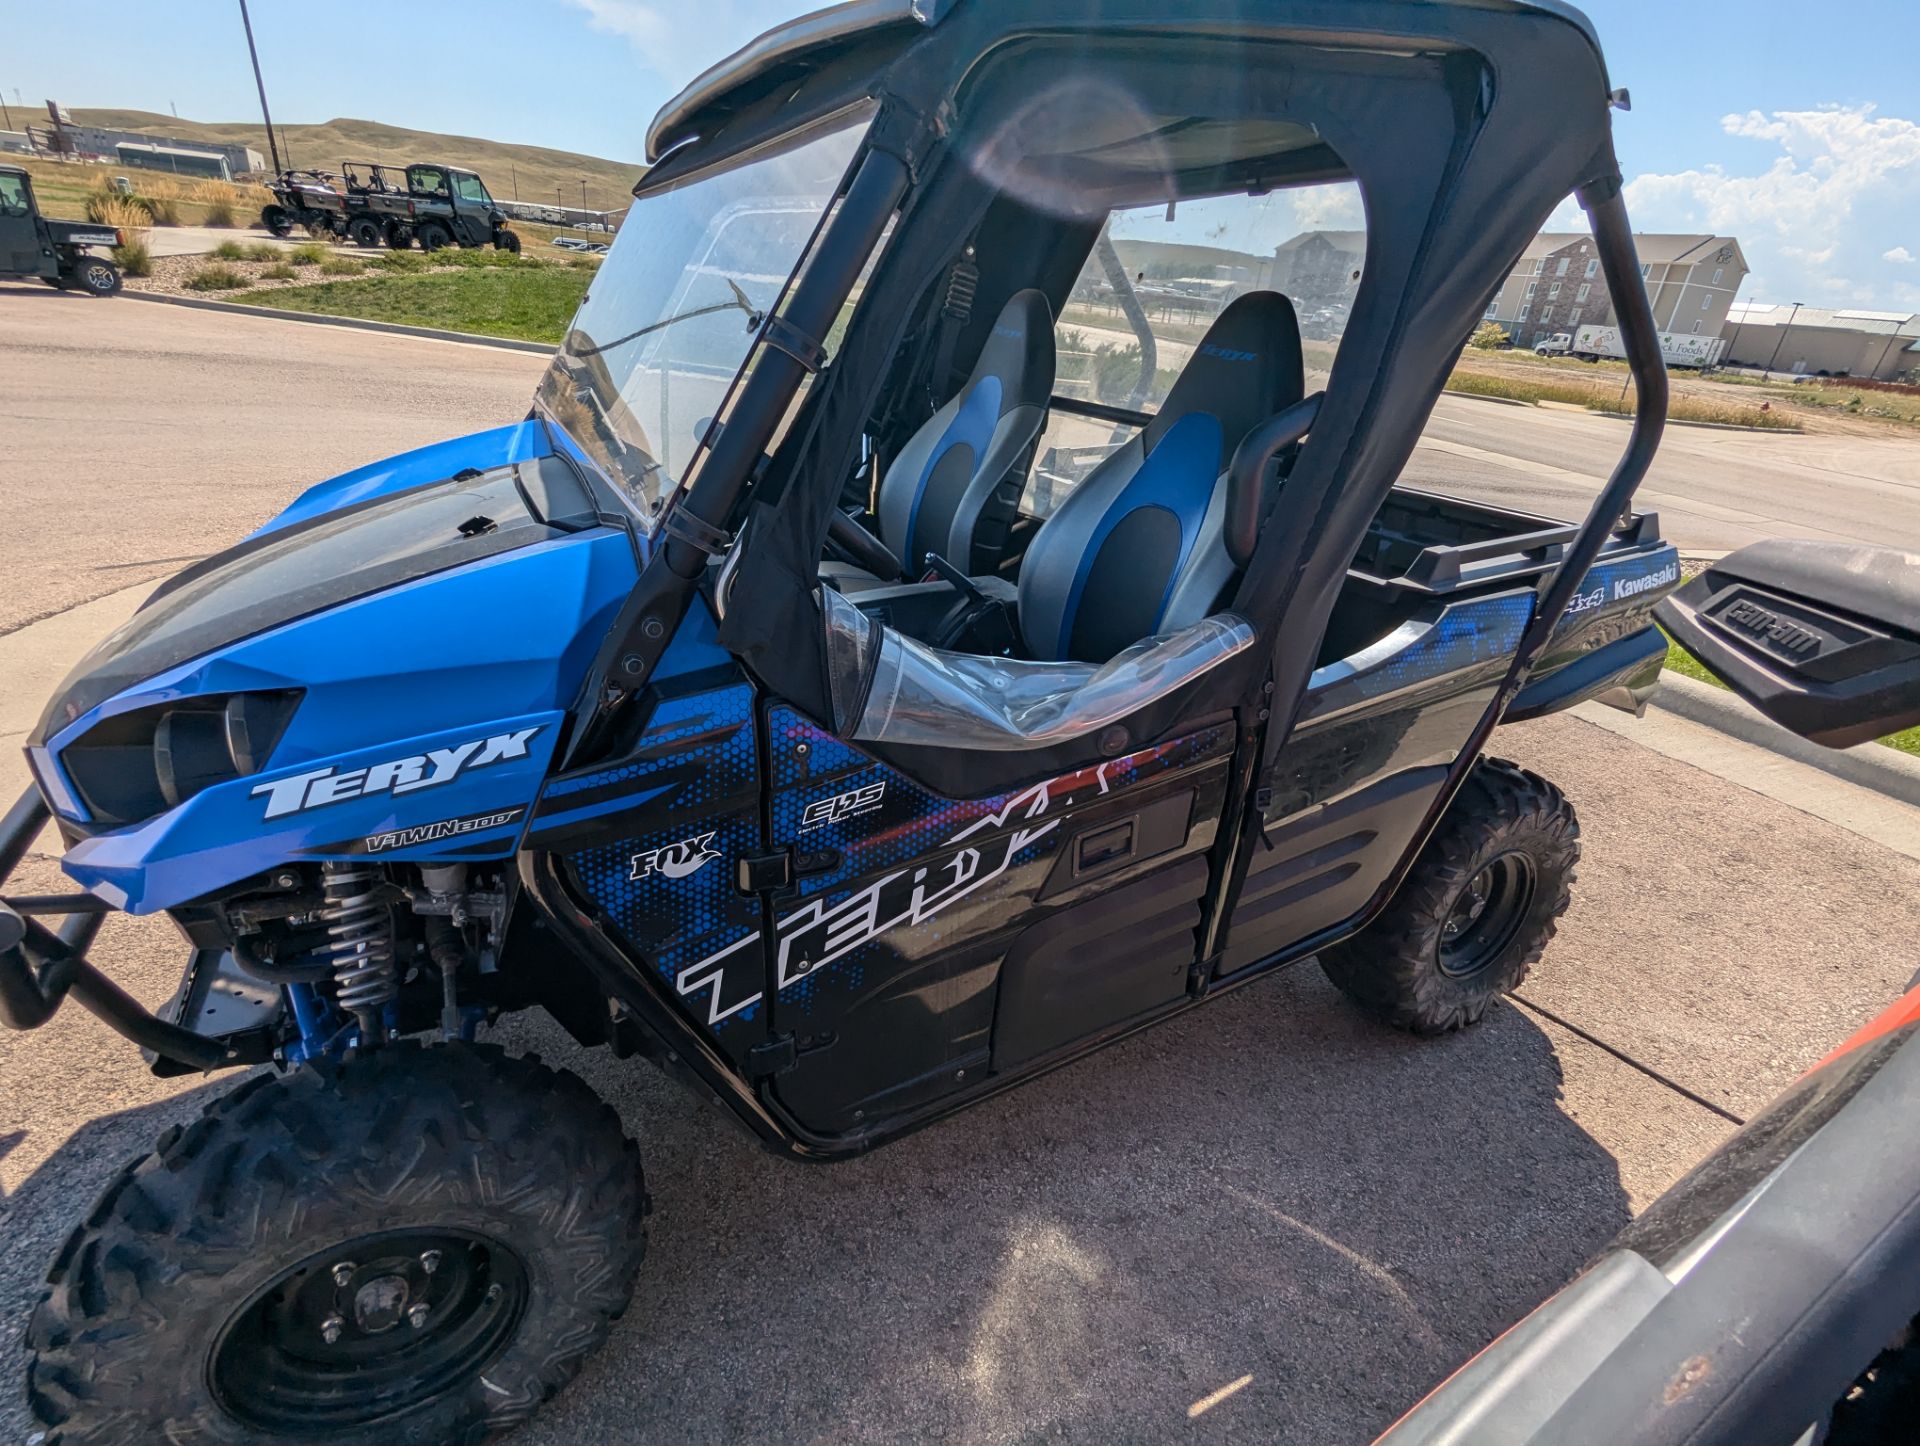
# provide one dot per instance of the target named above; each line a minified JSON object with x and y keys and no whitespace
{"x":1136,"y":547}
{"x":956,"y":472}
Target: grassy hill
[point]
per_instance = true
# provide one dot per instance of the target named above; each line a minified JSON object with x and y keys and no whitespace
{"x":533,"y":171}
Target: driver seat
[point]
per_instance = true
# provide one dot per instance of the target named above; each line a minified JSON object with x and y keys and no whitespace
{"x":957,"y":471}
{"x":1136,"y":548}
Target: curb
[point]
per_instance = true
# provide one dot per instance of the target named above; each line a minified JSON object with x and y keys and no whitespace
{"x":1710,"y":426}
{"x":392,"y":328}
{"x":1869,"y":765}
{"x":1483,"y":397}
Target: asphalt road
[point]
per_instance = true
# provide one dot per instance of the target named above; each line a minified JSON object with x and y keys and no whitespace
{"x":1270,"y":1198}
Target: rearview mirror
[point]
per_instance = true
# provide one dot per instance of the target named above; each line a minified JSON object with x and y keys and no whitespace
{"x":1821,"y":637}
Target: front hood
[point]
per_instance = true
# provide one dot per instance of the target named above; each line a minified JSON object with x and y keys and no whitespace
{"x":327,"y":559}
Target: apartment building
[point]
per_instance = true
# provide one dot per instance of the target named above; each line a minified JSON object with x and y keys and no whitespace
{"x":1692,"y":281}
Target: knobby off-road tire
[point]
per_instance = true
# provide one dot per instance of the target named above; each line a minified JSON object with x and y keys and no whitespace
{"x":1476,"y":911}
{"x":366,"y":232}
{"x":162,"y":1312}
{"x":432,"y":236}
{"x":508,"y":241}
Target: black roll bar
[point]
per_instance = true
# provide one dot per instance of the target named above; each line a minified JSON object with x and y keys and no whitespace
{"x":1620,"y":264}
{"x":40,"y":967}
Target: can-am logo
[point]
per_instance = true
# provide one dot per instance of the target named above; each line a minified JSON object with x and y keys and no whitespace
{"x":843,"y":805}
{"x":1633,"y":586}
{"x":675,"y":860}
{"x":436,"y":766}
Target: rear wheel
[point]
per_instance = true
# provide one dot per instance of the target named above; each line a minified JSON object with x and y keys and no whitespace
{"x":433,"y":236}
{"x":419,"y":1245}
{"x":93,"y":275}
{"x":365,"y":231}
{"x":397,"y":237}
{"x":1476,"y":911}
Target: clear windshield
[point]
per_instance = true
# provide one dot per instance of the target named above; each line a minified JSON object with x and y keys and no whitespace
{"x":656,"y":345}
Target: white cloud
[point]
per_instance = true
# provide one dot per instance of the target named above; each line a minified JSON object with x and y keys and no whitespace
{"x":676,"y":40}
{"x":1900,"y":255}
{"x":1844,"y":175}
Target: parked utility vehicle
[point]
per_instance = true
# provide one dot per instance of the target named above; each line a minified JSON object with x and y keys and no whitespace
{"x":306,"y":199}
{"x":575,"y":714}
{"x":436,"y":205}
{"x":59,"y":253}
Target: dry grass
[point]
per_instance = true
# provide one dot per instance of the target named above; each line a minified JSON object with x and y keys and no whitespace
{"x":1607,"y":398}
{"x":215,"y":278}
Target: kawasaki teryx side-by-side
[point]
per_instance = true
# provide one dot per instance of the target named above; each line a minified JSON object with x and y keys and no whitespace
{"x":954,"y":602}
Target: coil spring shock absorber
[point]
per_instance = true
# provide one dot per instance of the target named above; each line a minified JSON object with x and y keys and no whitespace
{"x":359,"y":945}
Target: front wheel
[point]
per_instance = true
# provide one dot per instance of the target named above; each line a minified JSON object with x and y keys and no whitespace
{"x":1476,"y":911}
{"x":418,"y":1245}
{"x":505,"y":240}
{"x":276,"y":220}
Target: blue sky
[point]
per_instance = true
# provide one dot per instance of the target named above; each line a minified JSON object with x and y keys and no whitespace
{"x":1793,"y":126}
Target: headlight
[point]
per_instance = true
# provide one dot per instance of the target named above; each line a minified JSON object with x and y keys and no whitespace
{"x":134,"y":765}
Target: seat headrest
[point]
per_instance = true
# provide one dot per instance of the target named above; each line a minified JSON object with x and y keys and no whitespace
{"x":1247,"y":367}
{"x":1019,"y":350}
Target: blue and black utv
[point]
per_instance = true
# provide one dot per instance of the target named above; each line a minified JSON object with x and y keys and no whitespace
{"x":960,"y":596}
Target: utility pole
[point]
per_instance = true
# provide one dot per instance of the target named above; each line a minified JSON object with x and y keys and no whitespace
{"x":5,"y":112}
{"x":273,"y":146}
{"x":1767,"y":373}
{"x":583,"y":194}
{"x":516,"y":180}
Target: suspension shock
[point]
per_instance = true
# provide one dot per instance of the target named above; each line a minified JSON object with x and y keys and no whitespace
{"x":359,"y":946}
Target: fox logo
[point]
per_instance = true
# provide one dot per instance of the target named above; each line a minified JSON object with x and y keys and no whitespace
{"x":675,"y":860}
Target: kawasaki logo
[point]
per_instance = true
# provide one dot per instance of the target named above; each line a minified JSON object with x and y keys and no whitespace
{"x":1634,"y":586}
{"x":403,"y":775}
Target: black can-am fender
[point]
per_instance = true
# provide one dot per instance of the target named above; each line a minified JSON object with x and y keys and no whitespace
{"x":1822,"y":637}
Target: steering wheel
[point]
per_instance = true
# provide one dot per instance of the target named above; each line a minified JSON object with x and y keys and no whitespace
{"x":851,"y":543}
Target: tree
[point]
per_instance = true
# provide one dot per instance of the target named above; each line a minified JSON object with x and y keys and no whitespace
{"x":1490,"y":336}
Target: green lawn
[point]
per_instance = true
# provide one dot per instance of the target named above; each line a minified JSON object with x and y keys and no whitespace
{"x":1679,"y":660}
{"x":525,"y":302}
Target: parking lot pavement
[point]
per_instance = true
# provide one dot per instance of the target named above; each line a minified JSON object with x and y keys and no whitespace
{"x":1270,"y":1198}
{"x":139,"y":438}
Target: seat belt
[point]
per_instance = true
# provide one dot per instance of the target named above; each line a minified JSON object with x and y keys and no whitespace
{"x":963,"y":284}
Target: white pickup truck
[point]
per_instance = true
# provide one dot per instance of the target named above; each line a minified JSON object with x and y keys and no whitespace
{"x":1591,"y":343}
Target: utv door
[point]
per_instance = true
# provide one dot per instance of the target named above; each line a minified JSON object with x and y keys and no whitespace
{"x":471,"y":208}
{"x":20,"y":249}
{"x":930,"y":942}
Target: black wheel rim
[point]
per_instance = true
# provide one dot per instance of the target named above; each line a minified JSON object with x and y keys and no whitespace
{"x":368,"y":1330}
{"x":1485,"y":915}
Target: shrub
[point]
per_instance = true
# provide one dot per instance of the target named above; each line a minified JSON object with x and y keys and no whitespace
{"x":340,"y":266}
{"x":132,"y":256}
{"x":215,"y":278}
{"x":279,"y":271}
{"x":229,"y":251}
{"x":219,"y":200}
{"x":1489,"y":336}
{"x":217,"y":213}
{"x":308,"y":253}
{"x":165,"y":210}
{"x":261,"y":251}
{"x":402,"y":261}
{"x":102,"y":206}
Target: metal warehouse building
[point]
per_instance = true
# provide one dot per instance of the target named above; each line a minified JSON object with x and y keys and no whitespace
{"x":1881,"y":345}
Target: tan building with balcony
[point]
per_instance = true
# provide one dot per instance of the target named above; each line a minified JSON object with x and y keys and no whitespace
{"x":1692,"y":281}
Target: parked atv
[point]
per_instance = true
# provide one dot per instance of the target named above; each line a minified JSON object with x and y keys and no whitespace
{"x":438,"y":206}
{"x":55,"y":251}
{"x":623,"y":712}
{"x":306,"y":199}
